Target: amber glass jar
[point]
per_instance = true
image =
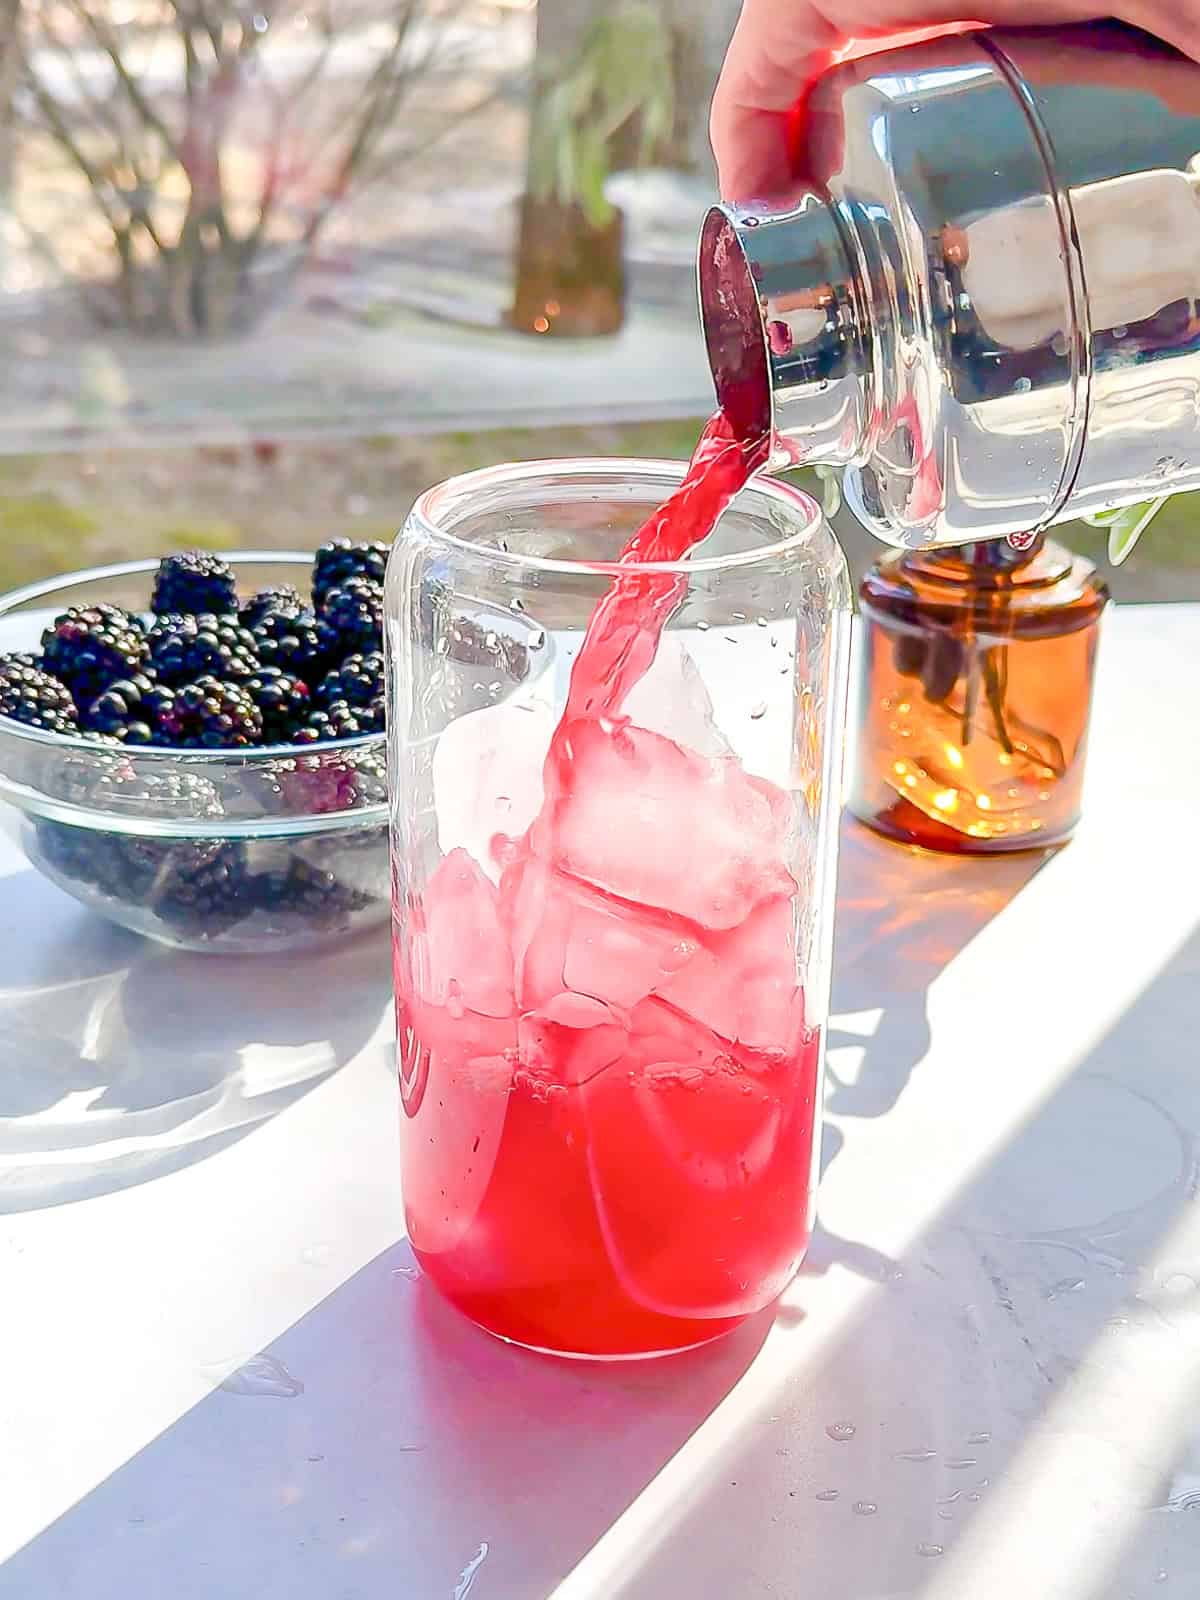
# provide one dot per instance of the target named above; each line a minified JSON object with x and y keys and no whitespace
{"x":975,"y":690}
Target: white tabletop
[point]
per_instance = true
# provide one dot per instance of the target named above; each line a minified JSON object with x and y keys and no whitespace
{"x":222,"y":1379}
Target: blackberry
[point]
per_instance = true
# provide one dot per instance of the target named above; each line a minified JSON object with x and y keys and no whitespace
{"x":202,"y":888}
{"x":323,"y":783}
{"x":183,"y":649}
{"x":78,"y":853}
{"x":340,"y":559}
{"x":169,"y":794}
{"x":92,"y":647}
{"x":127,"y":708}
{"x":282,"y":598}
{"x":283,"y":701}
{"x":482,"y":645}
{"x":194,"y":583}
{"x":340,"y":721}
{"x":75,"y":777}
{"x":209,"y":714}
{"x":353,"y":613}
{"x":195,"y":886}
{"x":302,"y":890}
{"x":34,"y":697}
{"x":357,"y":682}
{"x":295,"y":642}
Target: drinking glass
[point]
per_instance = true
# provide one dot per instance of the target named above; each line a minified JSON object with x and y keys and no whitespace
{"x":611,"y":941}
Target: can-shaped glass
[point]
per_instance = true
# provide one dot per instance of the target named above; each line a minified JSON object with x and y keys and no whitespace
{"x":612,"y":929}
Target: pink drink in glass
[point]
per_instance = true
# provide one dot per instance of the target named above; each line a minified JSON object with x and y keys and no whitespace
{"x":609,"y":1081}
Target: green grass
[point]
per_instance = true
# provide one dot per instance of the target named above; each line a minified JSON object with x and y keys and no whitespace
{"x":202,"y":536}
{"x":41,"y":535}
{"x":62,"y":511}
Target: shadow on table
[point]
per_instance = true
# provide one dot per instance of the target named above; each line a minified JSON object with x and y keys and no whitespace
{"x":1027,"y":1319}
{"x":417,"y":1446}
{"x":903,"y":915}
{"x":121,"y":1060}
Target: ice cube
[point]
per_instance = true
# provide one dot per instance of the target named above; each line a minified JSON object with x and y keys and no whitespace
{"x":459,"y":950}
{"x":487,"y":776}
{"x":535,"y":925}
{"x":742,"y":984}
{"x":666,"y":827}
{"x":565,"y":935}
{"x":700,"y":1166}
{"x":569,"y":1040}
{"x":672,"y":699}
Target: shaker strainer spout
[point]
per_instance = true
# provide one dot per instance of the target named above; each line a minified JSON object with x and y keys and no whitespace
{"x":983,"y":297}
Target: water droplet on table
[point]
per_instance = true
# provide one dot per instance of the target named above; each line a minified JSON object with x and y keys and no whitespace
{"x":841,"y":1431}
{"x":865,"y":1508}
{"x":1064,"y":1286}
{"x":1179,"y":1283}
{"x":263,"y":1374}
{"x":411,"y":1273}
{"x":948,"y":1500}
{"x":961,"y":1463}
{"x":930,"y":1549}
{"x":466,"y":1578}
{"x":827,"y":1494}
{"x":758,"y":711}
{"x":979,"y":1438}
{"x":915,"y":1455}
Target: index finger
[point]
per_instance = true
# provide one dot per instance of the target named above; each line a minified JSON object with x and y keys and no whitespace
{"x":774,"y":53}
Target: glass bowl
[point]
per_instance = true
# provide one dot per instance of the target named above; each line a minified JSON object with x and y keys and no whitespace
{"x":231,"y":851}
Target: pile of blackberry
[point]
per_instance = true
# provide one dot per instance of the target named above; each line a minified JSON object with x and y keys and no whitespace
{"x":208,"y":669}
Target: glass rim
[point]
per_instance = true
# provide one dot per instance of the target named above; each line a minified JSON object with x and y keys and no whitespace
{"x":455,"y":492}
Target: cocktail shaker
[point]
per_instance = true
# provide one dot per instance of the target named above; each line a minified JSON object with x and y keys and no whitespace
{"x":982,"y":297}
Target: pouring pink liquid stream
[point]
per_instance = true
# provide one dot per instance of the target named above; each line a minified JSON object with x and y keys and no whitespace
{"x":613,"y":1037}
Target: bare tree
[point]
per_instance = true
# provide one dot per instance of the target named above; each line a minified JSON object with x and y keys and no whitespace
{"x":10,"y":57}
{"x":214,"y":139}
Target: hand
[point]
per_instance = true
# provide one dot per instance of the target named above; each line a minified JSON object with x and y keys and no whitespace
{"x":781,"y":46}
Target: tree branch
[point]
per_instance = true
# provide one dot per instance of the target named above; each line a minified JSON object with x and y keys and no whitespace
{"x":103,"y":36}
{"x":96,"y":180}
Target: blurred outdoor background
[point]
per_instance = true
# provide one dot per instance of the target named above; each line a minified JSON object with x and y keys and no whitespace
{"x":269,"y":269}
